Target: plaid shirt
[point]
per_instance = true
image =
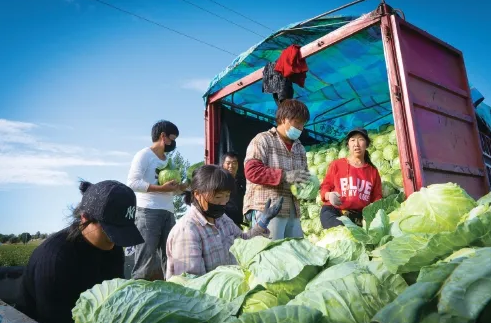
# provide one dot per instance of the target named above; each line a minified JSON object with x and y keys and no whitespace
{"x":196,"y":246}
{"x":270,"y":149}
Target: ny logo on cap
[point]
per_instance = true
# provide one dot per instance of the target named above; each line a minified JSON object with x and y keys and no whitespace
{"x":130,"y":213}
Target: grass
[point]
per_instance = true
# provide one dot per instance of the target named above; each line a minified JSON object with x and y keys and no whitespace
{"x":17,"y":254}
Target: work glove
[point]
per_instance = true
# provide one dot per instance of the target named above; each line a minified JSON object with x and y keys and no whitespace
{"x":298,"y":176}
{"x":335,"y":198}
{"x":270,"y":212}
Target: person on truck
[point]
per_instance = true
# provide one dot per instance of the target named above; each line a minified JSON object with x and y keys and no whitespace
{"x":155,"y":207}
{"x":351,"y":183}
{"x":233,"y":208}
{"x":275,"y":160}
{"x":82,"y":255}
{"x":201,"y":240}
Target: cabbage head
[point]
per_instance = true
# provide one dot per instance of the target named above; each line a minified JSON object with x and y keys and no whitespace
{"x":393,"y":137}
{"x":390,"y":152}
{"x":397,"y":179}
{"x":380,"y":142}
{"x":307,"y":191}
{"x":319,"y":158}
{"x":396,"y":163}
{"x":343,"y":152}
{"x":433,"y":209}
{"x":376,"y":155}
{"x":322,"y":169}
{"x":168,"y":175}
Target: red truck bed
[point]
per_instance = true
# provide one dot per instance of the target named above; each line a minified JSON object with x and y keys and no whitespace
{"x":432,"y":109}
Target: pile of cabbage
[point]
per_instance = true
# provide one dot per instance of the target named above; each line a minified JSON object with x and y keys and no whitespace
{"x":424,"y":259}
{"x":384,"y":155}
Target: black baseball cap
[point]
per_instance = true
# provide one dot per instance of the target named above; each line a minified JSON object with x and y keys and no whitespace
{"x":113,"y":205}
{"x":361,"y":131}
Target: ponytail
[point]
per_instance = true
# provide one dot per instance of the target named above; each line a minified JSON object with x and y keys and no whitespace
{"x":188,"y":197}
{"x":368,"y":160}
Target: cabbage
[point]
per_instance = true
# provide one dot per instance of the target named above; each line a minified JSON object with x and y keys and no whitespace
{"x":388,"y":189}
{"x":448,"y":291}
{"x":314,"y":169}
{"x":343,"y":152}
{"x":393,"y":137}
{"x":380,"y":142}
{"x":331,"y":156}
{"x":390,"y":152}
{"x":284,"y":267}
{"x":351,"y":292}
{"x":307,"y":191}
{"x":168,"y":175}
{"x":313,"y":211}
{"x":322,"y":169}
{"x":397,"y":179}
{"x":396,"y":163}
{"x":319,"y":158}
{"x":377,"y":155}
{"x":141,"y":301}
{"x":434,"y":209}
{"x":259,"y":301}
{"x":310,"y":156}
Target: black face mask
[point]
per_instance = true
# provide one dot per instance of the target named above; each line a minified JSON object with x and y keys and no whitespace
{"x":214,"y":211}
{"x":171,"y":147}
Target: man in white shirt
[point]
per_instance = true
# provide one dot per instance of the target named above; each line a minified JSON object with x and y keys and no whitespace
{"x":155,"y":208}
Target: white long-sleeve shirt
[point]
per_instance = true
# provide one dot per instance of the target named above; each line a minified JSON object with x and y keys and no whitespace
{"x":143,"y":173}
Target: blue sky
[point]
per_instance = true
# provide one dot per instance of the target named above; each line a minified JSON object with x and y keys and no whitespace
{"x":82,"y":84}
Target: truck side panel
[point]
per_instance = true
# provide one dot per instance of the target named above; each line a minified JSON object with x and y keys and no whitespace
{"x":438,"y":113}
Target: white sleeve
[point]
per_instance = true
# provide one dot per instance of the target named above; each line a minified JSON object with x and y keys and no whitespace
{"x":136,"y":180}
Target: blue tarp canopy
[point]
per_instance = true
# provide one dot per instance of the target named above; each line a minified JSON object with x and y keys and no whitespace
{"x":346,"y":85}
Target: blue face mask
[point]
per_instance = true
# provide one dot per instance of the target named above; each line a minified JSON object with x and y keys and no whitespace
{"x":293,"y":133}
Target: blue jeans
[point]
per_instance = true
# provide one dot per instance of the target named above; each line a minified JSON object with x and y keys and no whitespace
{"x":150,"y":256}
{"x":282,"y":228}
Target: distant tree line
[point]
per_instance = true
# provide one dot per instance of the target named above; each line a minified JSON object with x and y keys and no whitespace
{"x":24,"y":237}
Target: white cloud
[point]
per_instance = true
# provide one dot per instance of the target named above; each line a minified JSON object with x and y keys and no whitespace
{"x":190,"y":141}
{"x":200,"y":85}
{"x":26,"y":159}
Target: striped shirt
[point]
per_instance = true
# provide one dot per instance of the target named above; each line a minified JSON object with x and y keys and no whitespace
{"x":196,"y":246}
{"x":268,"y":148}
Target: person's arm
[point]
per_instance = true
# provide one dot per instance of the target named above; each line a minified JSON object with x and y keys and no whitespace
{"x":136,"y":179}
{"x":187,"y":253}
{"x":328,"y":183}
{"x":256,"y":169}
{"x":256,"y":172}
{"x":377,"y":188}
{"x":55,"y":289}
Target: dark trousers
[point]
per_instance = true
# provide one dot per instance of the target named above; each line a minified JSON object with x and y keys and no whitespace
{"x":330,"y":215}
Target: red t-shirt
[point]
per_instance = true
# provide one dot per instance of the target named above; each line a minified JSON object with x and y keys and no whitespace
{"x":358,"y":187}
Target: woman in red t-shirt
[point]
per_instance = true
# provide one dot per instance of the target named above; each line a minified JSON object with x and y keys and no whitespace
{"x":350,"y":183}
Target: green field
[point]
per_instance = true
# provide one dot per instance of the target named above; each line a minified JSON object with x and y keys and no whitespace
{"x":16,"y":254}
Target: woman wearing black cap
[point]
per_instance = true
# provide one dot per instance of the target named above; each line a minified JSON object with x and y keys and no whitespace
{"x":350,"y":183}
{"x":86,"y":253}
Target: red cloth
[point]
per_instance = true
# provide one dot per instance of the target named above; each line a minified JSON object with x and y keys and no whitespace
{"x":292,"y":66}
{"x":288,"y":146}
{"x":358,"y":186}
{"x":257,"y":173}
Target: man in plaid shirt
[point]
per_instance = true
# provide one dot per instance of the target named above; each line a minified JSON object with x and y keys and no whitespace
{"x":275,"y":160}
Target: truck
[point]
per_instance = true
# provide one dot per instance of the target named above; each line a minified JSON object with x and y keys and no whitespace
{"x":363,"y":71}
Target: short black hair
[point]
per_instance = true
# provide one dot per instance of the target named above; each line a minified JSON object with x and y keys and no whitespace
{"x":230,"y":154}
{"x":292,"y":109}
{"x":164,"y":126}
{"x":210,"y":179}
